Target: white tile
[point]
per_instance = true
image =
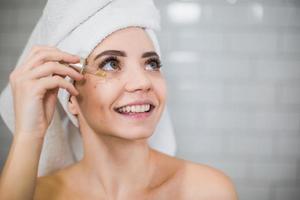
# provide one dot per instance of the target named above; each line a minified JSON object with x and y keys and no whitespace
{"x":290,"y":192}
{"x":251,"y":93}
{"x":274,"y":172}
{"x":278,"y":69}
{"x":234,"y":69}
{"x":247,"y":145}
{"x":277,"y":121}
{"x":255,"y":43}
{"x":228,"y":120}
{"x":288,"y":146}
{"x":282,"y":16}
{"x":291,"y":43}
{"x":195,"y":41}
{"x":289,"y":94}
{"x":251,"y":191}
{"x":203,"y":144}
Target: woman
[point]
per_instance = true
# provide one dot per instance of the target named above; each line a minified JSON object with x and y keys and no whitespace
{"x":117,"y":112}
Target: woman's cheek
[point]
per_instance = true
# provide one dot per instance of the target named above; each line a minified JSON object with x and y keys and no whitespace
{"x":161,"y":87}
{"x":106,"y":94}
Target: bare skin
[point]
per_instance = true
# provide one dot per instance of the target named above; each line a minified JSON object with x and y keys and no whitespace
{"x":118,"y":162}
{"x":173,"y":179}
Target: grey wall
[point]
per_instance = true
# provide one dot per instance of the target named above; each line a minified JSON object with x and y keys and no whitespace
{"x":233,"y":72}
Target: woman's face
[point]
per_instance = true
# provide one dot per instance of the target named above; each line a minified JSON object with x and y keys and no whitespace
{"x":130,"y":99}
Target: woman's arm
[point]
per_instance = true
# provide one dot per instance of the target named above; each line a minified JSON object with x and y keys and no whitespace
{"x":34,"y":87}
{"x":19,"y":174}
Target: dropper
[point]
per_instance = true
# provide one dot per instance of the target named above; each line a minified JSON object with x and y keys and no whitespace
{"x":81,"y":67}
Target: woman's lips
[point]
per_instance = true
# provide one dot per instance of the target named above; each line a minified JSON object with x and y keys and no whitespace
{"x":143,"y":114}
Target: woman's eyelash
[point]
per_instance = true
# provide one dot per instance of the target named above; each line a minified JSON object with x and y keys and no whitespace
{"x":109,"y":59}
{"x":156,"y":60}
{"x":115,"y":59}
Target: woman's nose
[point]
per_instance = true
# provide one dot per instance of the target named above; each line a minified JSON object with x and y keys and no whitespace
{"x":138,"y":79}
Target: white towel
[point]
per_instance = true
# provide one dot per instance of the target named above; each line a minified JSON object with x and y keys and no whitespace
{"x":77,"y":26}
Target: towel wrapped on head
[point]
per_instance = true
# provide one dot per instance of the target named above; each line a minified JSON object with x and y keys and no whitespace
{"x":77,"y":27}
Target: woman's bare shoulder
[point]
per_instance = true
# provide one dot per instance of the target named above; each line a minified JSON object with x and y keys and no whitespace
{"x":197,"y":181}
{"x":205,"y":182}
{"x":45,"y":188}
{"x":49,"y":187}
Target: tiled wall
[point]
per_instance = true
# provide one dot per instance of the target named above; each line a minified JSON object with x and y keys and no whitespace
{"x":233,"y":72}
{"x":234,"y":77}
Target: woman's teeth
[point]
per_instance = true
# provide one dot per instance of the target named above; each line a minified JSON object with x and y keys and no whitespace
{"x":135,"y":109}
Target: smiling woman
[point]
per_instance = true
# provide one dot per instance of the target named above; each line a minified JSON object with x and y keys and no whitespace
{"x":133,"y":82}
{"x":116,"y":114}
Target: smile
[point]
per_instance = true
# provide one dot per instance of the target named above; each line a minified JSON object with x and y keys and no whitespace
{"x":136,"y":111}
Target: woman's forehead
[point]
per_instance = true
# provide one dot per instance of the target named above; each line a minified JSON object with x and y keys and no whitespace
{"x":132,"y":40}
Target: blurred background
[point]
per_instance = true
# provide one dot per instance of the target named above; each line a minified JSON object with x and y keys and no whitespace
{"x":233,"y":74}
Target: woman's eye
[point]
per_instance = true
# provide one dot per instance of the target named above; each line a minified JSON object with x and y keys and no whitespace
{"x":153,"y":64}
{"x":110,"y":64}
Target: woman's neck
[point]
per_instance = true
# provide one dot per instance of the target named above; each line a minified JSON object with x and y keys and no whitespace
{"x":119,"y":165}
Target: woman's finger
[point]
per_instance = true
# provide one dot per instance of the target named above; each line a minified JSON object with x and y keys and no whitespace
{"x":51,"y":68}
{"x":52,"y":82}
{"x":41,"y":57}
{"x":37,"y":48}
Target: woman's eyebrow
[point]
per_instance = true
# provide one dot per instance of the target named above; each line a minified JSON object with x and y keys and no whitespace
{"x":123,"y":54}
{"x":149,"y":54}
{"x":111,"y":52}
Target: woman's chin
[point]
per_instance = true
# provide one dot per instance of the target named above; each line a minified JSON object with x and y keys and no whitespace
{"x":134,"y":134}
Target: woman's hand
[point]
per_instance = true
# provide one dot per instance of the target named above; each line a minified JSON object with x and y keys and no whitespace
{"x":35,"y":86}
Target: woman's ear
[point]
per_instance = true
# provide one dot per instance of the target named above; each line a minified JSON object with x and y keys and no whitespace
{"x":73,"y":105}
